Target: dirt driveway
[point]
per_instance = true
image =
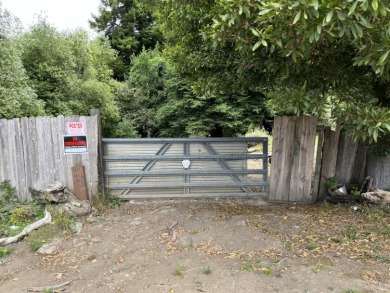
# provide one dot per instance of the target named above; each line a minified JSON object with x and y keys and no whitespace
{"x":214,"y":246}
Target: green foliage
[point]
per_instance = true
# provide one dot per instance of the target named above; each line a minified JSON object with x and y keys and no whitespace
{"x":17,"y":98}
{"x":332,"y":183}
{"x":35,"y":245}
{"x":4,"y":251}
{"x":7,"y":192}
{"x":52,"y":72}
{"x":74,"y":76}
{"x":62,"y":219}
{"x":143,"y":93}
{"x":355,"y":191}
{"x":37,"y":238}
{"x":381,"y":148}
{"x":203,"y":83}
{"x":20,"y":217}
{"x":207,"y":271}
{"x":113,"y":201}
{"x":338,"y":50}
{"x":179,"y":271}
{"x":128,"y":29}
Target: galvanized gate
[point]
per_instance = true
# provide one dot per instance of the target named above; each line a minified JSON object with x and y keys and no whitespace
{"x":190,"y":167}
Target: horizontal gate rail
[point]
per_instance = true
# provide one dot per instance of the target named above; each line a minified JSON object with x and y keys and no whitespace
{"x":185,"y":185}
{"x":184,"y":172}
{"x":185,"y":140}
{"x":183,"y":157}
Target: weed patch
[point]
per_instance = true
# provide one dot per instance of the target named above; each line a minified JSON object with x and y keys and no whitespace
{"x":179,"y":271}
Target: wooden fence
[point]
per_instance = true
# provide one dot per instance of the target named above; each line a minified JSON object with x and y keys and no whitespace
{"x":32,"y":152}
{"x":338,"y":156}
{"x":292,"y":159}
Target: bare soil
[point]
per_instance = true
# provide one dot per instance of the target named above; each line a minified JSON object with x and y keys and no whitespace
{"x":212,"y":245}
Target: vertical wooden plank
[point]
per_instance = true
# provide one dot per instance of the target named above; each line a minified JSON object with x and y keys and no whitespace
{"x":12,"y":169}
{"x":276,"y":159}
{"x":3,"y":150}
{"x":358,"y":172}
{"x":302,"y":166}
{"x":295,"y":185}
{"x":80,"y":182}
{"x":32,"y":141}
{"x":99,"y":173}
{"x":42,"y":164}
{"x":62,"y":159}
{"x":329,"y":157}
{"x":19,"y":161}
{"x":378,"y":168}
{"x":289,"y":134}
{"x":49,"y":151}
{"x":346,"y":156}
{"x":55,"y":150}
{"x":86,"y":157}
{"x":317,"y":169}
{"x":283,"y":138}
{"x":26,"y":155}
{"x":308,"y":154}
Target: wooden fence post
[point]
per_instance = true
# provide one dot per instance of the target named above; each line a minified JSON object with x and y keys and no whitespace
{"x":95,"y":112}
{"x":292,"y":159}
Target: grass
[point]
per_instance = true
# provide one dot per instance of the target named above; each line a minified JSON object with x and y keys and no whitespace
{"x":207,"y":271}
{"x":179,"y":271}
{"x":311,"y":246}
{"x":109,"y":201}
{"x":193,"y":231}
{"x":44,"y":235}
{"x":248,"y":266}
{"x":5,"y":277}
{"x":4,"y":252}
{"x":62,"y":219}
{"x":267,"y":271}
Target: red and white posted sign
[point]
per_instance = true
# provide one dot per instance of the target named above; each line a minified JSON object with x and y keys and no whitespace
{"x":75,"y":128}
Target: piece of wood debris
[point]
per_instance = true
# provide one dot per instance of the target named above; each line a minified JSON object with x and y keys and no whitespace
{"x":9,"y":240}
{"x":56,"y":288}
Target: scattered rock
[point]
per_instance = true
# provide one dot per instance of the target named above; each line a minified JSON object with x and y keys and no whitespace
{"x":135,"y":223}
{"x":53,"y":193}
{"x":48,"y":249}
{"x":78,"y":242}
{"x":14,"y":227}
{"x":76,"y":227}
{"x":241,"y":223}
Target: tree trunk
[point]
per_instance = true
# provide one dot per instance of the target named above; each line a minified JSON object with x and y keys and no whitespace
{"x":379,"y":168}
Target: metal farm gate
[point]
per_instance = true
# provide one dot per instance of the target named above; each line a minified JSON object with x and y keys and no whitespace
{"x":190,"y":167}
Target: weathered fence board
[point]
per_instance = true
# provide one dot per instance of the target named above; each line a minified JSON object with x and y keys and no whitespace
{"x":292,"y":159}
{"x":329,"y":158}
{"x":346,"y":156}
{"x":317,"y":168}
{"x":32,"y":153}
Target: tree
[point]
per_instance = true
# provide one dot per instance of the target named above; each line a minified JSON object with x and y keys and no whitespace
{"x":127,"y":28}
{"x":17,"y":98}
{"x":51,"y":66}
{"x":321,"y":53}
{"x":71,"y":74}
{"x":189,"y":114}
{"x":214,"y":93}
{"x":144,"y":92}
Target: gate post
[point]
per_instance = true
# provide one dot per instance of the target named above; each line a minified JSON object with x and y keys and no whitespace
{"x":292,"y":159}
{"x":100,"y":166}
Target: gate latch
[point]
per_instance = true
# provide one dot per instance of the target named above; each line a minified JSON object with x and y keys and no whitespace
{"x":186,"y":163}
